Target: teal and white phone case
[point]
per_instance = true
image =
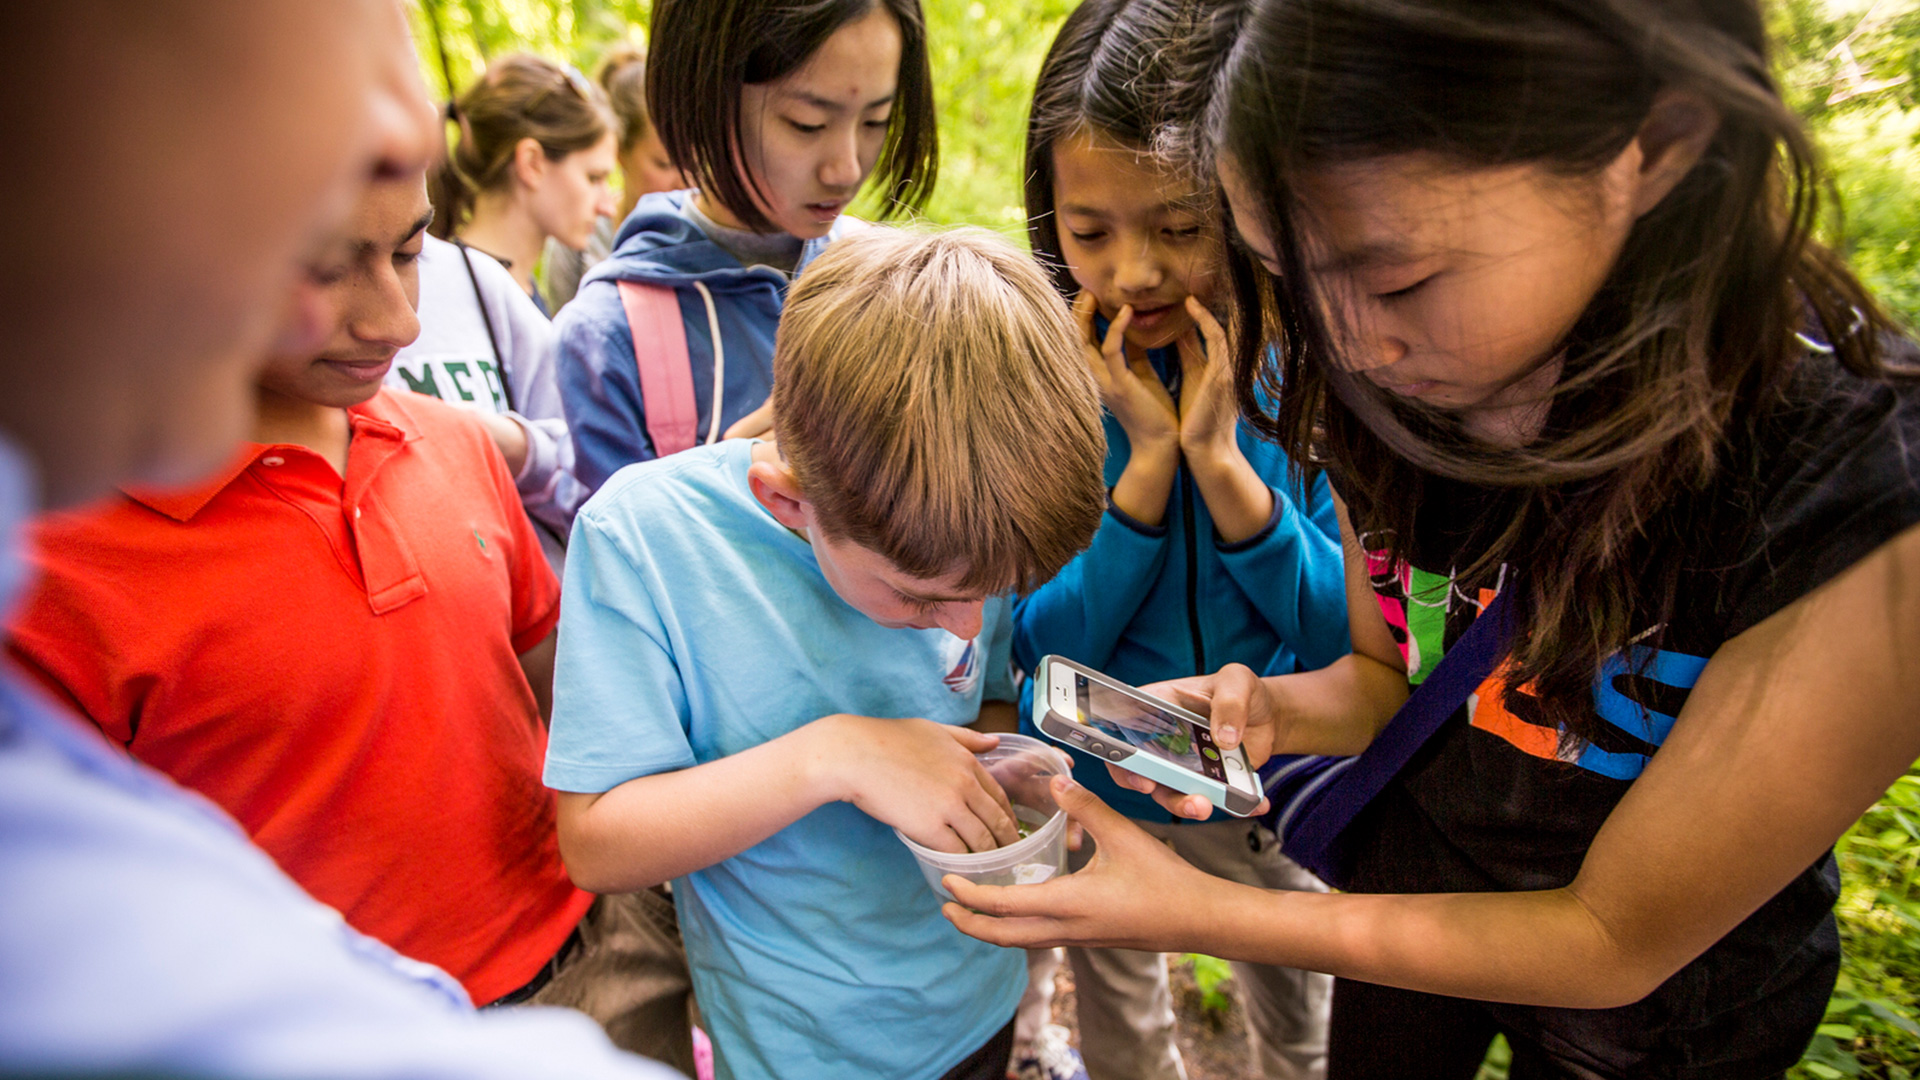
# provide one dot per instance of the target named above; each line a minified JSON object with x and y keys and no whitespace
{"x":1107,"y":719}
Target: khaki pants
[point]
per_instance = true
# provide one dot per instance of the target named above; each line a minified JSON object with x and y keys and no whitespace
{"x":630,"y":974}
{"x":1126,"y":1009}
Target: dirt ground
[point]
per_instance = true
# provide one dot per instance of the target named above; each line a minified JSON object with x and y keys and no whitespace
{"x":1214,"y":1045}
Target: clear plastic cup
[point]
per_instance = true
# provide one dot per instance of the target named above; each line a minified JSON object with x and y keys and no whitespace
{"x":1024,"y":768}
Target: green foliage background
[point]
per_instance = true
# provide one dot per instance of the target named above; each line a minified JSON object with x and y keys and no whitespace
{"x":1853,"y":70}
{"x":1851,"y":67}
{"x":985,"y":57}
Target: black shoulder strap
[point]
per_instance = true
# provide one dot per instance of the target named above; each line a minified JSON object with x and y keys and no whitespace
{"x":493,"y":339}
{"x":1312,"y":838}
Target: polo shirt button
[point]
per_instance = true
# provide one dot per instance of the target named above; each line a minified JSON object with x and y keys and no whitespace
{"x":273,"y":459}
{"x":356,"y":513}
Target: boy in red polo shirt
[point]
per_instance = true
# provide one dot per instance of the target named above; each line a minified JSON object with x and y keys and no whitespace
{"x":328,"y":640}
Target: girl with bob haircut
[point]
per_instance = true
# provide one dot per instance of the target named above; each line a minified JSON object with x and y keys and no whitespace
{"x":1539,"y":282}
{"x":778,"y":111}
{"x":535,"y":153}
{"x":1205,"y":520}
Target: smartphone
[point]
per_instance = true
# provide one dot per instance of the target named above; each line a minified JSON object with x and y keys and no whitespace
{"x":1078,"y":707}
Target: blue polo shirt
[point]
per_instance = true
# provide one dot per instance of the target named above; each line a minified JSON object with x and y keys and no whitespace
{"x":696,"y":626}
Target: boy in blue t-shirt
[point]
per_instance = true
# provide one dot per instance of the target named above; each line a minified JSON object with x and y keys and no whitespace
{"x":772,"y":657}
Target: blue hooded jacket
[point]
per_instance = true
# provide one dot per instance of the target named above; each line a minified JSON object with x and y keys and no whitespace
{"x":599,"y":382}
{"x":1146,"y":603}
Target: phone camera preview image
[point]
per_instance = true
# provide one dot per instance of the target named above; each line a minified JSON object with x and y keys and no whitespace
{"x":1145,"y":727}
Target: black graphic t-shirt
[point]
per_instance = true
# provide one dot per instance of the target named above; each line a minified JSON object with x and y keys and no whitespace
{"x":1497,"y":801}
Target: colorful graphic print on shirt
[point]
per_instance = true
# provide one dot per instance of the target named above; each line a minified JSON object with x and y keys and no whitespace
{"x":963,"y":665}
{"x":1638,"y":693}
{"x":474,"y":383}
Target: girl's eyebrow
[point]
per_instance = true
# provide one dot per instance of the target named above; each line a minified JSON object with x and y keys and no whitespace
{"x":827,"y":104}
{"x":1100,"y":212}
{"x":1369,"y":255}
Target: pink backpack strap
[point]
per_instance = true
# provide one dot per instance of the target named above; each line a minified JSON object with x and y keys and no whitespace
{"x":666,"y":372}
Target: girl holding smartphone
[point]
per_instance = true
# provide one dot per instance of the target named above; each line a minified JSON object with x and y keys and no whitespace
{"x":1539,"y":283}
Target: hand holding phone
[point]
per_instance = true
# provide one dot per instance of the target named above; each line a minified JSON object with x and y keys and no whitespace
{"x":1238,"y":704}
{"x":1145,"y":735}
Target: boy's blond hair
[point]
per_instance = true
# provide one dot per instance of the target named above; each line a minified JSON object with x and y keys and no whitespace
{"x":930,"y":396}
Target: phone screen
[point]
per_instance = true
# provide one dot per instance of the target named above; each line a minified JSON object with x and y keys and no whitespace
{"x":1143,"y":725}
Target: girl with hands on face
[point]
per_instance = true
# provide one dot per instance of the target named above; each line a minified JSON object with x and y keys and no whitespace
{"x":1132,"y":393}
{"x":1200,"y":431}
{"x":1210,"y":551}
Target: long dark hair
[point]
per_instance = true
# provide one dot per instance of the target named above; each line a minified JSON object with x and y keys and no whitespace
{"x":1689,"y":341}
{"x":519,"y":97}
{"x":704,"y":51}
{"x":1136,"y":71}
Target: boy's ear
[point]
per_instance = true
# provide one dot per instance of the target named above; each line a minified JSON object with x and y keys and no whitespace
{"x":773,"y":483}
{"x":1672,"y":139}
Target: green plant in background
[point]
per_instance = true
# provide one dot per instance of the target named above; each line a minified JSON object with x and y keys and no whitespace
{"x":474,"y":31}
{"x":1499,"y":1060}
{"x":1875,"y":158}
{"x":1210,"y":974}
{"x":1872,"y":1025}
{"x":985,"y":60}
{"x":1853,"y":70}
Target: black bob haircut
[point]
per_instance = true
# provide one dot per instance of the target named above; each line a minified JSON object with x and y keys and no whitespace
{"x":1139,"y":72}
{"x":704,"y":51}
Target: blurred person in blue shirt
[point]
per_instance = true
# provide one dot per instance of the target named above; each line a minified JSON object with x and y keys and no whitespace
{"x":190,"y":165}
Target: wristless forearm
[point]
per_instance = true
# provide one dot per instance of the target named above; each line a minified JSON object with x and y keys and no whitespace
{"x":1337,"y":709}
{"x":663,"y":826}
{"x":1535,"y":948}
{"x":1147,"y":482}
{"x":1240,"y":502}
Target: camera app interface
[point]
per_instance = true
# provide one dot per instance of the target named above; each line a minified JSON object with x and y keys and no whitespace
{"x":1141,"y":724}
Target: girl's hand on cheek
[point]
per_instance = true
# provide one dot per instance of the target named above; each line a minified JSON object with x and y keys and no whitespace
{"x":1209,"y":415}
{"x":1135,"y":893}
{"x":1240,"y":500}
{"x":1131,"y":391}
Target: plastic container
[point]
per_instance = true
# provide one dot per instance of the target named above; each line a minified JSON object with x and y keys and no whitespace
{"x":1024,"y":768}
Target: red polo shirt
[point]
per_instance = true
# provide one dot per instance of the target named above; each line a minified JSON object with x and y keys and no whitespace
{"x":337,"y":666}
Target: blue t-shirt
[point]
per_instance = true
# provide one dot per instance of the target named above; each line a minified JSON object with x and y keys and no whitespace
{"x":696,"y":626}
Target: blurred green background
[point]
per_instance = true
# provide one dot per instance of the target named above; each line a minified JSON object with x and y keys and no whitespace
{"x":1851,"y":67}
